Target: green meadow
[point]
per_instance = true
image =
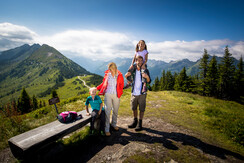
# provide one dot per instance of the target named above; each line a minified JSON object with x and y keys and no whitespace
{"x":216,"y":121}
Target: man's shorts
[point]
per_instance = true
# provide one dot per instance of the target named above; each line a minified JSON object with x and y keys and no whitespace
{"x":138,"y":100}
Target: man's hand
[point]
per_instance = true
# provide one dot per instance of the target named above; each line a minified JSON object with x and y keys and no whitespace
{"x":99,"y":112}
{"x":87,"y":114}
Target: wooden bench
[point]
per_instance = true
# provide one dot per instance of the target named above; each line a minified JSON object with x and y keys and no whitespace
{"x":28,"y":143}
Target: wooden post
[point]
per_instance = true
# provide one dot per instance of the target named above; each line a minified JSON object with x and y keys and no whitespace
{"x":54,"y":101}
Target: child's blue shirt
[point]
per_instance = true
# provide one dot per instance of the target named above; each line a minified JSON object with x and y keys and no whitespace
{"x":95,"y":104}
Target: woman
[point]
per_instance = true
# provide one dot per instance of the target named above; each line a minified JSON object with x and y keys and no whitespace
{"x":112,"y":88}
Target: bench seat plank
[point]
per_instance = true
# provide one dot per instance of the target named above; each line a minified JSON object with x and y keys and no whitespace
{"x":26,"y":143}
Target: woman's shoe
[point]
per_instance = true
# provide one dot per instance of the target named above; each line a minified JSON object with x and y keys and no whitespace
{"x":107,"y":134}
{"x":115,"y":128}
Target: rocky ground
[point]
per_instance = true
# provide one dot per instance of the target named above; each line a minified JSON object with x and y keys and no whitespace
{"x":159,"y":142}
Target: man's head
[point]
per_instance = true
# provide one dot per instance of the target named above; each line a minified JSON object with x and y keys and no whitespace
{"x":93,"y":91}
{"x":139,"y":61}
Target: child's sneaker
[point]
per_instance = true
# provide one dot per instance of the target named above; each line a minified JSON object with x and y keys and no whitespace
{"x":92,"y":132}
{"x":127,"y":86}
{"x":102,"y":133}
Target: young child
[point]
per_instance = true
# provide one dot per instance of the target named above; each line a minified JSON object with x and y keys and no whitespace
{"x":97,"y":110}
{"x":141,"y":50}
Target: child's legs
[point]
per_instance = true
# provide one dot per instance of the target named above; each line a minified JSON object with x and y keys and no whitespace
{"x":102,"y":122}
{"x":93,"y":118}
{"x":107,"y":107}
{"x":144,"y":80}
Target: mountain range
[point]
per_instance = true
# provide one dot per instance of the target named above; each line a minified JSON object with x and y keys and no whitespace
{"x":155,"y":67}
{"x":42,"y":68}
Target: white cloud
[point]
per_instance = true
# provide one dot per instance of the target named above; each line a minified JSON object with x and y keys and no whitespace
{"x":92,"y":44}
{"x":105,"y":45}
{"x":176,"y":50}
{"x":14,"y":35}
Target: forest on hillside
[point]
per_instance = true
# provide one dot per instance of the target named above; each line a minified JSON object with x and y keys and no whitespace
{"x":222,"y":80}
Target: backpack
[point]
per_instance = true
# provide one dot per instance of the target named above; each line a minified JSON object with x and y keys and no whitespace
{"x":67,"y":116}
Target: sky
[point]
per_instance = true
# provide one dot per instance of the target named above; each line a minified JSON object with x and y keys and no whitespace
{"x":106,"y":29}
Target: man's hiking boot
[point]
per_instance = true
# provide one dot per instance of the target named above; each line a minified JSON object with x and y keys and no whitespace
{"x":133,"y":125}
{"x":127,"y":86}
{"x":139,"y":126}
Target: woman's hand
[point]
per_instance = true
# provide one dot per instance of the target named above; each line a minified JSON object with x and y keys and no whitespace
{"x":87,"y":114}
{"x":99,"y":112}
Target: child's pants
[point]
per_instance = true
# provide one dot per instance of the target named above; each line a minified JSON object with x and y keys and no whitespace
{"x":94,"y":116}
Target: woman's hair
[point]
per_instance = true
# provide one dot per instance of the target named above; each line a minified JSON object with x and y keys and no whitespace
{"x":137,"y":46}
{"x":113,"y":66}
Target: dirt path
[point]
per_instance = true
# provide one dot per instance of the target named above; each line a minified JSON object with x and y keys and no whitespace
{"x":84,"y":82}
{"x":159,"y":140}
{"x":163,"y":142}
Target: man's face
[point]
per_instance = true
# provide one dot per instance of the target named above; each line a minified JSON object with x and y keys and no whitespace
{"x":139,"y":62}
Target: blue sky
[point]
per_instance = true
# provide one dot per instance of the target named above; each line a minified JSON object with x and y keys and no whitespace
{"x":104,"y":29}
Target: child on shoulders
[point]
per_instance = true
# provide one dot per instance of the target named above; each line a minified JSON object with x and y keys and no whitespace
{"x":141,"y":50}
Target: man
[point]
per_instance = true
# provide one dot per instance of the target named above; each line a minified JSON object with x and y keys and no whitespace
{"x":138,"y":97}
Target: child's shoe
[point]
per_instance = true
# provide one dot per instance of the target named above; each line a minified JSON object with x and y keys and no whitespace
{"x":102,"y":133}
{"x":92,"y":132}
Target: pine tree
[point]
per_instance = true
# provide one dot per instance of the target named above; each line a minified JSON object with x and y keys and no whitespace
{"x":162,"y":81}
{"x":24,"y":102}
{"x":212,"y":78}
{"x":34,"y":102}
{"x":204,"y":68}
{"x":156,"y":85}
{"x":170,"y":82}
{"x":239,"y":80}
{"x":182,"y":81}
{"x":40,"y":104}
{"x":226,"y":79}
{"x":54,"y":93}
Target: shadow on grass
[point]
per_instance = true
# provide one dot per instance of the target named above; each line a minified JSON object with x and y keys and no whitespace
{"x":86,"y":149}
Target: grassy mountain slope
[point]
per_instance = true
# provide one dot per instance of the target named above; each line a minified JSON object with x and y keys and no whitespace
{"x":11,"y":58}
{"x":39,"y":73}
